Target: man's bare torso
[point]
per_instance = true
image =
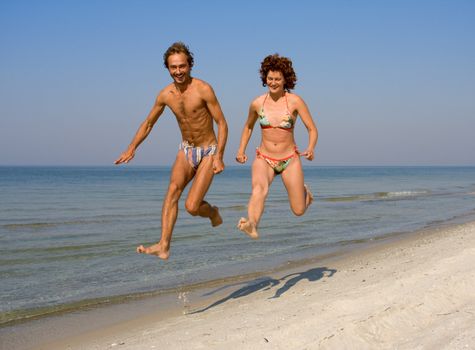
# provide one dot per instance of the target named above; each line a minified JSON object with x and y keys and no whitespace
{"x":191,"y":112}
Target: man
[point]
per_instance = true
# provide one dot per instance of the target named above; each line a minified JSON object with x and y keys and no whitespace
{"x":200,"y":154}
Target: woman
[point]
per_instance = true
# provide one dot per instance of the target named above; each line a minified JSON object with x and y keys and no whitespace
{"x":277,"y":112}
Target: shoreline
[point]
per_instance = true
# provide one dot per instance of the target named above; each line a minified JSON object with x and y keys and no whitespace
{"x":232,"y":275}
{"x":228,"y":275}
{"x":102,"y":327}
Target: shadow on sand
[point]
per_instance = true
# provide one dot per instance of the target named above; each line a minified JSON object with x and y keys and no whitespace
{"x":266,"y":283}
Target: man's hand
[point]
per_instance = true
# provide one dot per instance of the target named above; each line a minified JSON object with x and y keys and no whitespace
{"x":241,"y":158}
{"x":218,"y":165}
{"x":125,"y":157}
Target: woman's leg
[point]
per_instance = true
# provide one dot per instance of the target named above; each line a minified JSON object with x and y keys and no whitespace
{"x":262,"y":177}
{"x":299,"y":194}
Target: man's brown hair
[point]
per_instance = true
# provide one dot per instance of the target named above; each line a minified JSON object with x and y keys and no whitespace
{"x":178,"y":47}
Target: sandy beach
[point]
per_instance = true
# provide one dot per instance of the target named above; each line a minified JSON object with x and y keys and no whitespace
{"x":414,"y":292}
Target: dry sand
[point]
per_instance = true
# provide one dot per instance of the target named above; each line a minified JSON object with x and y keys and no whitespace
{"x":416,"y":292}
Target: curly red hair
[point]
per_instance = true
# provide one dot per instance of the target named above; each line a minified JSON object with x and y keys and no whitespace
{"x":281,"y":64}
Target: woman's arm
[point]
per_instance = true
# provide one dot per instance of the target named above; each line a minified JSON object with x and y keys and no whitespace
{"x":247,"y":132}
{"x":307,"y":120}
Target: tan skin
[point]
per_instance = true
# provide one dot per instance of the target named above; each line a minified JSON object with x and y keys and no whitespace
{"x":195,"y":107}
{"x":278,"y":144}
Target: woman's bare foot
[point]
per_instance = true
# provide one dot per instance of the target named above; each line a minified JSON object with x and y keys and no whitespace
{"x":154,"y":249}
{"x":216,"y":218}
{"x":308,"y":196}
{"x":248,"y":228}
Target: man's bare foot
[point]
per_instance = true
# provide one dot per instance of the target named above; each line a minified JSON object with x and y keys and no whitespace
{"x":154,"y":249}
{"x":215,"y":218}
{"x":248,"y":228}
{"x":308,"y":196}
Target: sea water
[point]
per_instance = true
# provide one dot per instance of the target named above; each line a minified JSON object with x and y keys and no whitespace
{"x":68,"y":234}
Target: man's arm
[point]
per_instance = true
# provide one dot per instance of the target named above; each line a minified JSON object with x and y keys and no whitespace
{"x":218,"y":116}
{"x":143,"y":131}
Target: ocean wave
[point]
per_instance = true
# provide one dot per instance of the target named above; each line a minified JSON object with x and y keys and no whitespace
{"x":37,"y":251}
{"x":55,"y":258}
{"x":44,"y":225}
{"x":375,"y":196}
{"x":33,"y":225}
{"x":101,"y":219}
{"x":236,"y":207}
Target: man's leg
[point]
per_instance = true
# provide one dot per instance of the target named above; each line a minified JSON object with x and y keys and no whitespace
{"x":195,"y":203}
{"x":181,"y":175}
{"x":262,"y":177}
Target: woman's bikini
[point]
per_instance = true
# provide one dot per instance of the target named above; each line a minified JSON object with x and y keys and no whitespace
{"x":287,"y":124}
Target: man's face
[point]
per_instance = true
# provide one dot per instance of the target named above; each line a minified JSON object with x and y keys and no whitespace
{"x":179,"y":68}
{"x":275,"y":81}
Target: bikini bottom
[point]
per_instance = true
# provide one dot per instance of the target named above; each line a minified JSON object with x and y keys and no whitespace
{"x":279,"y":165}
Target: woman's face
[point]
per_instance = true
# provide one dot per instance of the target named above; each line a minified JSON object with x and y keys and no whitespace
{"x":275,"y":82}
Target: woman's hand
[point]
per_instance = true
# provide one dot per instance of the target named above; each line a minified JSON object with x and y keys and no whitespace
{"x":241,"y":158}
{"x":308,"y":153}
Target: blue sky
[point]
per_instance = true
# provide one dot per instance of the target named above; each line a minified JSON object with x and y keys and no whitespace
{"x":387,"y":82}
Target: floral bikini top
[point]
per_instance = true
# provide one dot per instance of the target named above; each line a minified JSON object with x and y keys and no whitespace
{"x":287,"y":122}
